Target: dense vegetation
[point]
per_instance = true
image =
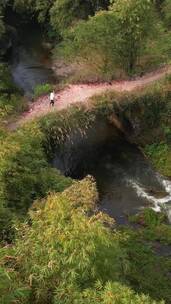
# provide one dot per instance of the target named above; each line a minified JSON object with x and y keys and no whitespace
{"x":76,"y":259}
{"x":79,"y":255}
{"x":11,"y":101}
{"x":55,"y":247}
{"x":130,"y":37}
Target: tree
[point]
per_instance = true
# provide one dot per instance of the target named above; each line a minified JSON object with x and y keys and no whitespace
{"x":93,"y":42}
{"x":135,"y":23}
{"x":115,"y":37}
{"x":166,"y":8}
{"x":65,"y":13}
{"x":37,"y":8}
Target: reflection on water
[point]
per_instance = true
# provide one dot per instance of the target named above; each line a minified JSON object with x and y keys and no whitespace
{"x":126,"y":181}
{"x":30,"y":62}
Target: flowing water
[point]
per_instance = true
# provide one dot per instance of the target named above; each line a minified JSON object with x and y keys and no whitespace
{"x":31,"y":60}
{"x":125,"y":179}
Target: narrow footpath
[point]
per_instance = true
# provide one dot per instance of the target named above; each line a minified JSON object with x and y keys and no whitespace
{"x":80,"y":93}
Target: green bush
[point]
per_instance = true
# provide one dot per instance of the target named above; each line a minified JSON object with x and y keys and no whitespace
{"x":66,"y":256}
{"x":58,"y":128}
{"x":148,"y":272}
{"x":161,"y":233}
{"x":120,"y":38}
{"x":154,"y":226}
{"x":148,"y":218}
{"x":42,"y":89}
{"x":15,"y":104}
{"x":160,"y":155}
{"x":11,"y":101}
{"x":25,"y":174}
{"x":12,"y":291}
{"x":110,"y":293}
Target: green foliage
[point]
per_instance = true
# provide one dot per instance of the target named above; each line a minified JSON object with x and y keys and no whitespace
{"x":6,"y":225}
{"x":111,"y":292}
{"x":160,"y":233}
{"x":66,"y":13}
{"x":142,"y":111}
{"x":70,"y":247}
{"x":148,"y":272}
{"x":11,"y":101}
{"x":42,"y":89}
{"x":25,"y":173}
{"x":167,"y":133}
{"x":155,"y":227}
{"x":94,"y":38}
{"x":151,"y":235}
{"x":160,"y":155}
{"x":6,"y":79}
{"x":148,"y":218}
{"x":115,"y":37}
{"x":38,"y":8}
{"x":59,"y":128}
{"x":10,"y":105}
{"x":135,"y":20}
{"x":10,"y":289}
{"x":60,"y":14}
{"x":166,"y":8}
{"x":66,"y":256}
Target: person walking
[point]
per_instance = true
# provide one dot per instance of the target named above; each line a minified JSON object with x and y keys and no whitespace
{"x":52,"y":98}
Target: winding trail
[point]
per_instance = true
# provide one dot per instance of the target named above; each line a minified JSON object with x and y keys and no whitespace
{"x":80,"y":93}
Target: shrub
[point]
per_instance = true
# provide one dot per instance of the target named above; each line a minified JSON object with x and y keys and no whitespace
{"x":66,"y":256}
{"x":11,"y":101}
{"x":42,"y":89}
{"x":25,"y":174}
{"x":71,"y":250}
{"x":160,"y":233}
{"x":148,"y":272}
{"x":160,"y":155}
{"x":148,"y":218}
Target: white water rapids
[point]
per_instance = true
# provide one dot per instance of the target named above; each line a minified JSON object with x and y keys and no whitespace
{"x":159,"y":204}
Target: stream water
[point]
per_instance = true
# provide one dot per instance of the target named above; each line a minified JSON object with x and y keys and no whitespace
{"x":126,"y":181}
{"x":30,"y":60}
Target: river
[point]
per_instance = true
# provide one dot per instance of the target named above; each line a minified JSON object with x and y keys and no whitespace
{"x":30,"y":60}
{"x":126,"y":181}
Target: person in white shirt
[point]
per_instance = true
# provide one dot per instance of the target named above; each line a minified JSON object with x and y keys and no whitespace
{"x":52,"y":98}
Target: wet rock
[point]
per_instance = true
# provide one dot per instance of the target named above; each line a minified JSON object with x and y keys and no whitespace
{"x":156,"y":193}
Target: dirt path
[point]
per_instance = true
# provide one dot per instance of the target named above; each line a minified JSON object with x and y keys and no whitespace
{"x":82,"y":92}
